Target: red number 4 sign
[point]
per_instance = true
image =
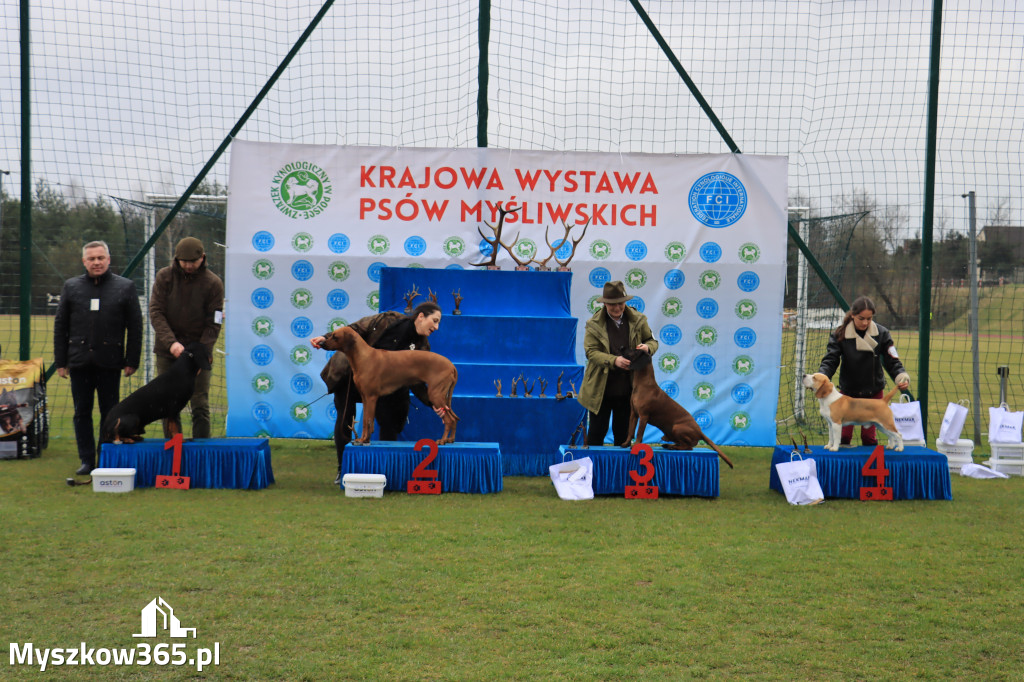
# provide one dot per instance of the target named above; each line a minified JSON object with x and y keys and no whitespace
{"x":875,"y":468}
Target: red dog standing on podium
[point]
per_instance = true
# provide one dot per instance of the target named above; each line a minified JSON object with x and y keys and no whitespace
{"x":378,"y":373}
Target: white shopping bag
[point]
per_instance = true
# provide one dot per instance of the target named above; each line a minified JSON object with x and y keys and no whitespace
{"x":799,"y":478}
{"x":953,"y":423}
{"x":574,"y":480}
{"x":1004,"y":426}
{"x":977,"y":471}
{"x":908,"y":418}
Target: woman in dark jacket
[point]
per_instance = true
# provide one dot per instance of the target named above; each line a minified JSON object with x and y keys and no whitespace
{"x":860,"y":348}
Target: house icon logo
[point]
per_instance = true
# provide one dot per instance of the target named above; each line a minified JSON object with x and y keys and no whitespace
{"x":158,"y":615}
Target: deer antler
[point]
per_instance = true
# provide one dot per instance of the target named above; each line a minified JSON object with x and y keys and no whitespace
{"x":543,"y":263}
{"x":575,"y":242}
{"x":497,"y":236}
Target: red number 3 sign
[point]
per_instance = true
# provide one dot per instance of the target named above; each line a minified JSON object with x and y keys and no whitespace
{"x":642,"y":490}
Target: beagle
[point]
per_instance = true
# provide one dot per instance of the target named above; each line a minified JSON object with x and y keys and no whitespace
{"x":839,"y":410}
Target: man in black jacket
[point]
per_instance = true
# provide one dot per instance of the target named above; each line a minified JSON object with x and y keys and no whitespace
{"x":97,"y":311}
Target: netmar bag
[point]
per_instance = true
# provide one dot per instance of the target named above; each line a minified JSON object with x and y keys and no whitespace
{"x":953,"y":422}
{"x":908,"y":418}
{"x":574,"y":480}
{"x":799,"y":478}
{"x":1004,"y":426}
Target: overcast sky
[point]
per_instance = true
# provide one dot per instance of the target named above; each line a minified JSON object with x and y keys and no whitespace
{"x":133,"y":98}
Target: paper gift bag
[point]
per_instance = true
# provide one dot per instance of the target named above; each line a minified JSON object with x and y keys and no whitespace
{"x":1004,"y":426}
{"x":799,"y":478}
{"x":953,"y":423}
{"x":908,"y":418}
{"x":574,"y":480}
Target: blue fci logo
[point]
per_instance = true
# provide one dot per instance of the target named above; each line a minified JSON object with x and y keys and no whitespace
{"x":598,"y":277}
{"x":671,"y":334}
{"x":261,"y":355}
{"x":636,"y":303}
{"x":636,"y":250}
{"x":671,"y":388}
{"x":263,"y":241}
{"x":748,"y":281}
{"x":262,"y":412}
{"x":373,"y":272}
{"x":718,"y":199}
{"x":337,"y":299}
{"x":415,"y":246}
{"x":745,"y":337}
{"x":302,"y":270}
{"x":742,"y":393}
{"x":710,"y":252}
{"x":302,"y":327}
{"x":703,"y":419}
{"x":302,"y":383}
{"x":262,"y":297}
{"x":704,"y":364}
{"x":338,"y":243}
{"x":674,"y":279}
{"x":707,"y":308}
{"x":485,"y":248}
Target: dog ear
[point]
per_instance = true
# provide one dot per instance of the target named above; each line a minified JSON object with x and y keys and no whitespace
{"x":824,"y":388}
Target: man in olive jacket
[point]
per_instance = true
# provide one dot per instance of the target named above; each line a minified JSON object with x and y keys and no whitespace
{"x":187,"y":305}
{"x":96,"y":313}
{"x":607,"y":383}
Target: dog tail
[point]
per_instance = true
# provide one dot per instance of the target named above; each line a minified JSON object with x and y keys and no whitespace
{"x":716,"y":449}
{"x":889,"y":396}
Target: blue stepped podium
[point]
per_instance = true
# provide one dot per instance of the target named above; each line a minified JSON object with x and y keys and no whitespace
{"x":511,"y":323}
{"x":676,"y":472}
{"x":208,"y":462}
{"x":460,"y":467}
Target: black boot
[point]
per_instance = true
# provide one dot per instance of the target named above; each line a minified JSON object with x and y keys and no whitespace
{"x":337,"y":479}
{"x":86,"y":468}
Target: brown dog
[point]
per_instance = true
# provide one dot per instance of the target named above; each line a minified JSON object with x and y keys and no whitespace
{"x":651,"y":405}
{"x":838,"y":410}
{"x":378,"y":373}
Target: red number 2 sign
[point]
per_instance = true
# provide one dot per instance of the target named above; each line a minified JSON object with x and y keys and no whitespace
{"x":431,"y":486}
{"x":875,"y":468}
{"x":642,"y":491}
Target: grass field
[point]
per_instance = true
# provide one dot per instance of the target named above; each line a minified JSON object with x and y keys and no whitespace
{"x":298,"y":582}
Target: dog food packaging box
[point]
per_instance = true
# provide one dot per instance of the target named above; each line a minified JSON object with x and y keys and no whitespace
{"x":24,"y":429}
{"x":364,"y":485}
{"x":113,"y":480}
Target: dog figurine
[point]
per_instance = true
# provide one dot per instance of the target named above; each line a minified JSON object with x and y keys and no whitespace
{"x":378,"y":373}
{"x":651,"y":405}
{"x":839,"y":410}
{"x":163,"y":397}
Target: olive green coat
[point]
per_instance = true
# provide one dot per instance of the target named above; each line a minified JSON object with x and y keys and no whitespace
{"x":600,"y":360}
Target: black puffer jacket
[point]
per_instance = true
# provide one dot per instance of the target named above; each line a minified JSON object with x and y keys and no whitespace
{"x":860,"y":368}
{"x":85,"y":334}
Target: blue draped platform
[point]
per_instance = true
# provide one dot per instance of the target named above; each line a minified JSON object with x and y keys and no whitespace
{"x":676,"y":472}
{"x":461,"y":467}
{"x":915,"y":474}
{"x":208,"y":462}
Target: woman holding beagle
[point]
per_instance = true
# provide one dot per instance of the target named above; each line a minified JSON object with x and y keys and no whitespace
{"x":860,"y":348}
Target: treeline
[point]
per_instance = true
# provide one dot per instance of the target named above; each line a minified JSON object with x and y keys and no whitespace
{"x":60,"y":227}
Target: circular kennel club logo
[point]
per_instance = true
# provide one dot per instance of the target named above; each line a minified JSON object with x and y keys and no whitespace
{"x":525,"y":248}
{"x":263,"y":241}
{"x":301,"y":355}
{"x":592,"y":305}
{"x":378,"y":244}
{"x":750,"y":253}
{"x":672,"y":307}
{"x":300,"y":412}
{"x":373,"y":300}
{"x":742,"y":393}
{"x":707,"y":308}
{"x":302,"y":242}
{"x":743,"y":365}
{"x":262,"y":383}
{"x":301,"y":190}
{"x":740,"y":421}
{"x":301,"y":384}
{"x":669,"y":363}
{"x":675,"y":252}
{"x":718,"y":199}
{"x":710,"y":252}
{"x":302,"y":327}
{"x":336,"y":324}
{"x":302,"y":270}
{"x":263,"y":326}
{"x":704,"y":364}
{"x":709,"y":280}
{"x":339,"y":271}
{"x":263,"y":269}
{"x":338,"y":243}
{"x":600,"y":249}
{"x":703,"y":391}
{"x":636,"y":278}
{"x":415,"y":246}
{"x":707,"y":336}
{"x":671,"y":334}
{"x":746,"y":309}
{"x":302,"y":298}
{"x":636,"y":250}
{"x":261,"y":355}
{"x":454,"y":247}
{"x":262,"y":298}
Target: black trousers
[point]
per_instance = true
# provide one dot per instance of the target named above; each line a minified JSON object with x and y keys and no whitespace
{"x":85,"y":381}
{"x":617,"y":408}
{"x":391,"y":414}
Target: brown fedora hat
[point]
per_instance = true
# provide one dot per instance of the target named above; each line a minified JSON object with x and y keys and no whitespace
{"x":614,"y":292}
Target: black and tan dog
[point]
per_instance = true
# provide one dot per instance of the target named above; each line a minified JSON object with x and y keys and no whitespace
{"x":163,"y":397}
{"x":651,"y":405}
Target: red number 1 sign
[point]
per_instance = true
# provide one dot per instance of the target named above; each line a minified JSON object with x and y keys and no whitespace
{"x":642,"y":491}
{"x":879,"y":491}
{"x":175,"y":480}
{"x":428,"y":487}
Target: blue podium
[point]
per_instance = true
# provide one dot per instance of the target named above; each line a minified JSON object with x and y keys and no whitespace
{"x":676,"y":472}
{"x":461,"y":467}
{"x":917,"y":473}
{"x":209,"y":462}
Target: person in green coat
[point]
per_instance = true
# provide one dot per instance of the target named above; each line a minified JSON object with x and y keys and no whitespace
{"x":607,"y":383}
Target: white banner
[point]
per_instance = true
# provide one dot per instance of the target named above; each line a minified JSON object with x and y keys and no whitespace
{"x":700,"y":241}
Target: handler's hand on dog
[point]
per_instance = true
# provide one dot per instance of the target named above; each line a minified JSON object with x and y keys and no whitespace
{"x":128,"y":371}
{"x":176,"y":349}
{"x":644,"y":348}
{"x":621,"y":362}
{"x":317,"y":341}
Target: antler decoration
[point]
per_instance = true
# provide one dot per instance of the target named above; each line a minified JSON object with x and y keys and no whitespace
{"x":575,"y":242}
{"x":432,"y":295}
{"x":409,"y":296}
{"x":502,"y":212}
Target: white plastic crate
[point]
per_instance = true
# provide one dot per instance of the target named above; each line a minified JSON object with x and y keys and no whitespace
{"x":957,"y":455}
{"x":113,"y":480}
{"x":1010,"y":467}
{"x":1007,"y":458}
{"x":914,"y":443}
{"x":364,"y":485}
